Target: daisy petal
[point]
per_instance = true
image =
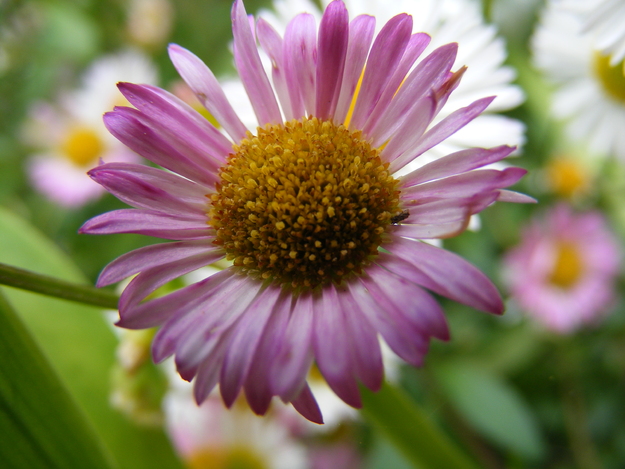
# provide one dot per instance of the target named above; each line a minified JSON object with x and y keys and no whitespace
{"x":251,"y":69}
{"x":442,"y":272}
{"x":306,"y":405}
{"x":331,"y":52}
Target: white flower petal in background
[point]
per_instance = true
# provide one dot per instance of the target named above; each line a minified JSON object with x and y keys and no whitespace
{"x":587,"y":92}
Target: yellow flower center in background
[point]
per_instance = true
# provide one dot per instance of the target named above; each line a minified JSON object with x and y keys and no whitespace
{"x":568,"y":265}
{"x":238,"y":457}
{"x":303,"y":203}
{"x":611,"y":77}
{"x":83,"y":146}
{"x":566,"y":177}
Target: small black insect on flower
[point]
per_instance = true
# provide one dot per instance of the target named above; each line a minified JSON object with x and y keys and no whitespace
{"x":395,"y":219}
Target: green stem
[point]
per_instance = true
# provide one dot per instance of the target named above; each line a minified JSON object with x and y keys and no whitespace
{"x":26,"y":280}
{"x":487,"y":10}
{"x":412,"y":432}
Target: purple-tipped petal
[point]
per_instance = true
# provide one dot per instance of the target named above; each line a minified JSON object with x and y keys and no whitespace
{"x":127,"y":126}
{"x":300,"y":51}
{"x":456,"y":163}
{"x":258,"y":385}
{"x":463,"y":185}
{"x":361,"y":31}
{"x":416,"y":45}
{"x":332,"y":354}
{"x":407,"y":300}
{"x":272,"y":44}
{"x":431,"y":230}
{"x":362,"y":340}
{"x":448,"y":126}
{"x":331,"y":54}
{"x":151,"y":256}
{"x":290,"y":367}
{"x":386,"y":53}
{"x":244,"y":342}
{"x":152,"y":189}
{"x":427,"y":75}
{"x":251,"y":69}
{"x":147,"y":222}
{"x":159,"y":310}
{"x":177,"y":116}
{"x":151,"y":279}
{"x":306,"y":405}
{"x":442,"y":272}
{"x":515,"y":197}
{"x":401,"y":336}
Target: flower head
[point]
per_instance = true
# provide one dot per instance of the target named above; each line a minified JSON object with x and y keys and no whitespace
{"x":69,"y":137}
{"x":323,"y":237}
{"x":563,"y":271}
{"x":590,"y":82}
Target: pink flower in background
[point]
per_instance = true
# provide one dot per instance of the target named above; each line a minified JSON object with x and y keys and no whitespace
{"x":324,"y":240}
{"x":563,"y":272}
{"x":69,"y":137}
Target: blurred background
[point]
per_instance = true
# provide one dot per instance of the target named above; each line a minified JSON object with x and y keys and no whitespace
{"x":540,"y":387}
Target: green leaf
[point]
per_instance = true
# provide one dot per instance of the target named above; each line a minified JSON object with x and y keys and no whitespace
{"x":40,"y":424}
{"x":411,"y":430}
{"x":79,"y":344}
{"x":493,"y":407}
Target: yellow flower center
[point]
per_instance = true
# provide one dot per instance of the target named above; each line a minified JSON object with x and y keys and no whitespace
{"x":83,"y":146}
{"x":303,"y":203}
{"x":237,"y":457}
{"x":611,"y":77}
{"x":568,"y":265}
{"x":566,"y":177}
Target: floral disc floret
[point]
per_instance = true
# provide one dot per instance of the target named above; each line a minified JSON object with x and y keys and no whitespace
{"x":303,"y":203}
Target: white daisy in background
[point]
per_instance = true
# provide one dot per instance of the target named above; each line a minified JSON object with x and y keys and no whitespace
{"x":69,"y":137}
{"x":480,"y":49}
{"x":604,"y":21}
{"x":213,"y":437}
{"x":590,"y":89}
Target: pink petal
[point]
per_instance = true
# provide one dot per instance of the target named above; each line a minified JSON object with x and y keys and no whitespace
{"x":408,"y":300}
{"x":127,"y":126}
{"x":385,"y":55}
{"x":289,"y":369}
{"x":151,"y":188}
{"x":515,"y":197}
{"x":244,"y":342}
{"x":331,"y":53}
{"x":361,"y":339}
{"x":271,"y":42}
{"x":464,"y":185}
{"x":300,"y":51}
{"x":361,"y":31}
{"x":431,"y":230}
{"x":442,"y":272}
{"x":159,"y":310}
{"x":151,"y":256}
{"x":331,"y":351}
{"x":147,"y":222}
{"x":428,"y":74}
{"x":456,"y":163}
{"x":151,"y":279}
{"x":177,"y":116}
{"x":306,"y":405}
{"x":416,"y":45}
{"x":448,"y":126}
{"x":251,"y":69}
{"x":401,"y":336}
{"x":258,"y":384}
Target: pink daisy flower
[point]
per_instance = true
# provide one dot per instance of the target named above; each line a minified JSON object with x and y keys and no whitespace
{"x":324,"y":240}
{"x":563,"y":271}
